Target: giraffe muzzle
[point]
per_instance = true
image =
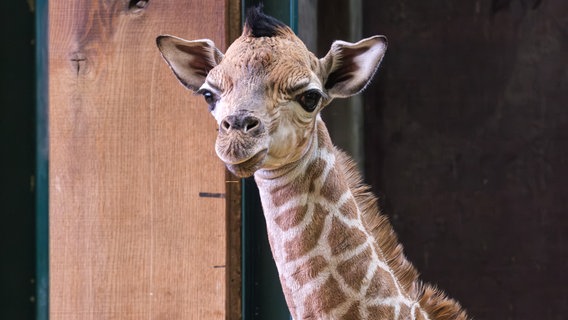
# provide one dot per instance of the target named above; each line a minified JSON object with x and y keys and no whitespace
{"x":242,"y":143}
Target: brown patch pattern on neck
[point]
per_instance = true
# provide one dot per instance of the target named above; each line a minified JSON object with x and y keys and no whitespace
{"x":307,"y":240}
{"x":310,"y":269}
{"x":355,"y":269}
{"x":283,"y":193}
{"x":324,"y":299}
{"x":349,"y":209}
{"x":291,"y":217}
{"x":353,"y":313}
{"x":344,"y":238}
{"x":382,"y":285}
{"x":382,"y":312}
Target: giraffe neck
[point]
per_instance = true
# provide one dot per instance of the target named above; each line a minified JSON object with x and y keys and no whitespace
{"x":330,"y":264}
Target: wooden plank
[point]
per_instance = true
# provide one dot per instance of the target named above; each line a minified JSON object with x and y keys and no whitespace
{"x":130,"y":153}
{"x":233,"y":301}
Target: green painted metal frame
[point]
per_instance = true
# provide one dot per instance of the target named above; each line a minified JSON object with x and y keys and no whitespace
{"x":262,"y":293}
{"x":42,"y":162}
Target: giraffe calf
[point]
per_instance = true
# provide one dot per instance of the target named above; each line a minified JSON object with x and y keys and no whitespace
{"x":337,"y":255}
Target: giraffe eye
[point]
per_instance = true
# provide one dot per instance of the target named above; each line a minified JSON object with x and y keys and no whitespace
{"x":209,"y":97}
{"x":309,"y":100}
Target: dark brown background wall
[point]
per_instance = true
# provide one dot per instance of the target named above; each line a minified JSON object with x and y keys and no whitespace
{"x":467,"y":142}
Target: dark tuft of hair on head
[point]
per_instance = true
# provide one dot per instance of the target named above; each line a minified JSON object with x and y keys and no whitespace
{"x":259,"y":24}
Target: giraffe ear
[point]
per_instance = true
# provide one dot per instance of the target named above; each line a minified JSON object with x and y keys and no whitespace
{"x":349,"y":67}
{"x":190,"y":61}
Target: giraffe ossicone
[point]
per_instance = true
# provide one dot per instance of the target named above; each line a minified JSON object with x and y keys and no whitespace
{"x":337,"y":255}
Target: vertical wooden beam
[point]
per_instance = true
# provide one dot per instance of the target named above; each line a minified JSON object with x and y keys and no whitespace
{"x":233,"y":303}
{"x":133,"y":232}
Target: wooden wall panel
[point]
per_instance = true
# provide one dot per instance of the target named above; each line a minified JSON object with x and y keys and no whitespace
{"x":130,"y":152}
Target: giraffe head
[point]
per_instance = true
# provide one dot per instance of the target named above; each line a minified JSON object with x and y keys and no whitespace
{"x":267,"y":90}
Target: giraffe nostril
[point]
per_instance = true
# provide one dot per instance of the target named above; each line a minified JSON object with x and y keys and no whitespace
{"x":225,"y":125}
{"x":251,"y":124}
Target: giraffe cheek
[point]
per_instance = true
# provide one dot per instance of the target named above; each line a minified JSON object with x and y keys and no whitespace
{"x":286,"y":144}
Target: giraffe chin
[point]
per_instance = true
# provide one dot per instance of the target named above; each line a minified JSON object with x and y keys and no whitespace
{"x":248,"y":167}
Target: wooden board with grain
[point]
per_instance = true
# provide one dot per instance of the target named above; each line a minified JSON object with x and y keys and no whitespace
{"x":130,"y":153}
